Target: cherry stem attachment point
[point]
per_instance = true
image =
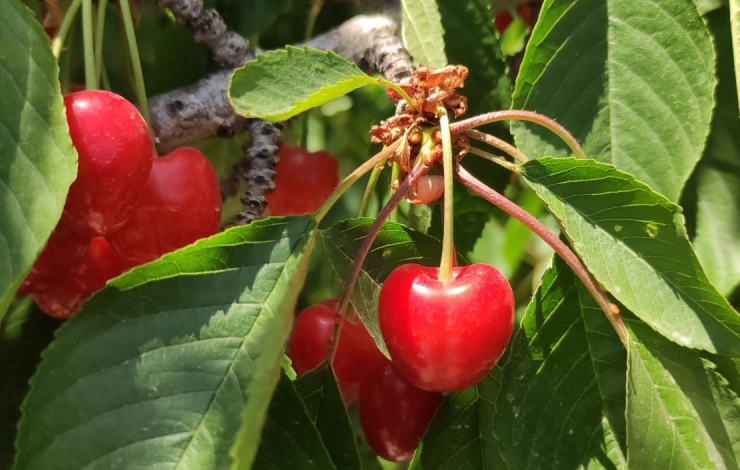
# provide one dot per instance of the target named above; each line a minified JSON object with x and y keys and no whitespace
{"x":448,"y":244}
{"x":352,"y":178}
{"x":521,"y":115}
{"x":58,"y":43}
{"x":500,"y":144}
{"x":367,"y":243}
{"x":571,"y":259}
{"x":91,"y":81}
{"x":399,"y":90}
{"x":128,"y":26}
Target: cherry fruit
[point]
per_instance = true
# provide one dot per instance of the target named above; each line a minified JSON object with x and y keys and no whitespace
{"x":62,"y":296}
{"x":445,"y":336}
{"x":393,"y":413}
{"x":115,"y":156}
{"x":303,"y":181}
{"x":180,"y":203}
{"x":310,"y":342}
{"x":64,"y":248}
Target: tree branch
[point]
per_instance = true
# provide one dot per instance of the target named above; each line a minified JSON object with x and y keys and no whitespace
{"x":203,"y":110}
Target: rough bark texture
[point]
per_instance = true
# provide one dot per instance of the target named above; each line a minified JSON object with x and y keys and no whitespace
{"x":228,"y":48}
{"x":203,"y":110}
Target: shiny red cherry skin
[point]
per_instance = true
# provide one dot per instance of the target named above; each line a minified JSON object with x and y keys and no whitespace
{"x":394,"y":414}
{"x":180,"y":204}
{"x":445,"y":336}
{"x":115,"y":156}
{"x":303,"y":181}
{"x":64,"y":248}
{"x":64,"y":294}
{"x":310,"y":341}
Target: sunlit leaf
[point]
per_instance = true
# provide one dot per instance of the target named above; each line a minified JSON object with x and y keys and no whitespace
{"x":634,"y":242}
{"x":280,"y":84}
{"x":37,"y":160}
{"x":173,"y":363}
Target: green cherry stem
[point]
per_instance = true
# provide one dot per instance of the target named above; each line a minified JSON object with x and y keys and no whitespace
{"x":395,"y":171}
{"x":571,"y":259}
{"x":69,"y":18}
{"x":352,"y":178}
{"x":399,"y":90}
{"x":128,"y":26}
{"x":500,"y":144}
{"x":99,"y":30}
{"x":374,"y":177}
{"x":521,"y":115}
{"x":494,"y":158}
{"x":448,"y":245}
{"x":91,"y":80}
{"x":313,"y":13}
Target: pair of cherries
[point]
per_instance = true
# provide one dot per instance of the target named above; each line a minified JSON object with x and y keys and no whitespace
{"x":393,"y":413}
{"x":126,"y":207}
{"x":441,"y":336}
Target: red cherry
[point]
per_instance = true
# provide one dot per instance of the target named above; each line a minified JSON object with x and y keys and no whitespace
{"x":502,"y":21}
{"x":426,"y":189}
{"x":311,"y":338}
{"x":180,"y":204}
{"x":115,"y":156}
{"x":393,"y":413}
{"x":524,"y":10}
{"x":445,"y":336}
{"x":66,"y":291}
{"x":63,"y":249}
{"x":303,"y":182}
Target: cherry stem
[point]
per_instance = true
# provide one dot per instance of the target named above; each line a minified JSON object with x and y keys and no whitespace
{"x":61,"y":38}
{"x":395,"y":171}
{"x":352,"y":178}
{"x":139,"y":88}
{"x":521,"y":115}
{"x":571,"y":259}
{"x":399,"y":90}
{"x":313,"y":13}
{"x":367,"y":243}
{"x":494,"y":158}
{"x":91,"y":80}
{"x":448,"y":244}
{"x":374,"y":177}
{"x":500,"y":144}
{"x":99,"y":30}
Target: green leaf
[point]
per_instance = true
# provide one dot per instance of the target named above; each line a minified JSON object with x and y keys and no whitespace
{"x":421,"y":29}
{"x":735,"y":23}
{"x":290,"y":439}
{"x":37,"y":160}
{"x":633,"y":97}
{"x":634,"y":242}
{"x":280,"y":84}
{"x":487,"y":86}
{"x":24,"y":333}
{"x":323,"y":400}
{"x":562,"y":401}
{"x":394,"y":246}
{"x":675,"y":407}
{"x":718,"y":174}
{"x":174,"y":361}
{"x":461,"y":433}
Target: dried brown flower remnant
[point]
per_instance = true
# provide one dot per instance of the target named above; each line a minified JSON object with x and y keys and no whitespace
{"x":427,"y":88}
